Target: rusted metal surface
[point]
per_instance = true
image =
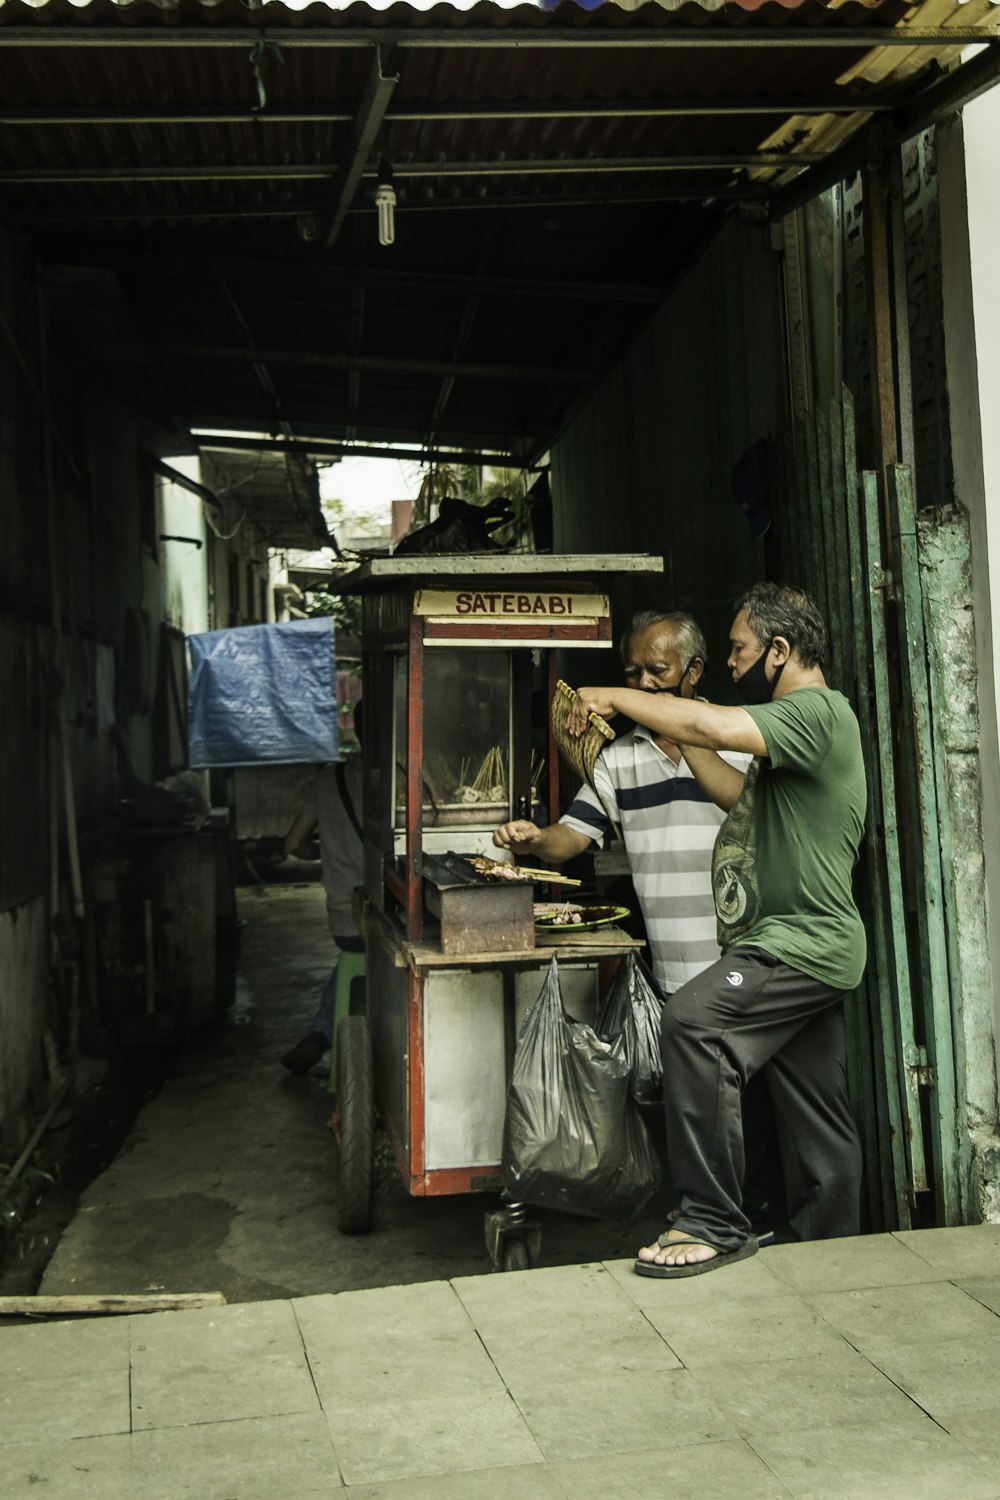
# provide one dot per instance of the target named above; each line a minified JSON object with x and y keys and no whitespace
{"x":476,"y":915}
{"x":898,"y":1017}
{"x":882,"y":980}
{"x":918,"y":729}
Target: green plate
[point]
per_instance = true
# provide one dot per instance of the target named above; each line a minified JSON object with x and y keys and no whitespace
{"x":590,"y":917}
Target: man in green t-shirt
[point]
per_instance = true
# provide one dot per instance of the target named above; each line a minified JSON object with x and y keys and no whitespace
{"x":793,"y":943}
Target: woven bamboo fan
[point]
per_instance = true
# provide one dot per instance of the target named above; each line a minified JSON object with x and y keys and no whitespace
{"x":579,"y":752}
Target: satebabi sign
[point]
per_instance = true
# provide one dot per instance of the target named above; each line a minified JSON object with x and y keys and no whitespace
{"x":510,"y":604}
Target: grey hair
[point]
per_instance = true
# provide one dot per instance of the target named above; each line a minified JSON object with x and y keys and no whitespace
{"x":688,"y":635}
{"x":783,"y":609}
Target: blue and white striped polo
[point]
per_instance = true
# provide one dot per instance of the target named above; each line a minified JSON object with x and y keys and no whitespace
{"x":668,"y":827}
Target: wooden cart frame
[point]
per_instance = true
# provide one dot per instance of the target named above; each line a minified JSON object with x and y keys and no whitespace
{"x":442,"y":1025}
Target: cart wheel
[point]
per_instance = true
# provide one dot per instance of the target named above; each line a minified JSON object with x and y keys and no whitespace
{"x":515,"y":1253}
{"x":356,"y":1103}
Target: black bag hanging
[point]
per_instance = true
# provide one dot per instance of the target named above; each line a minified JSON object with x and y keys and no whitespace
{"x":630,"y":1016}
{"x":573,"y":1138}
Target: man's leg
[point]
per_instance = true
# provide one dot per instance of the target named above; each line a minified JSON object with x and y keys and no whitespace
{"x":322,"y":1021}
{"x":821,"y":1154}
{"x":307,"y":1052}
{"x":762,"y":1162}
{"x":718,"y":1031}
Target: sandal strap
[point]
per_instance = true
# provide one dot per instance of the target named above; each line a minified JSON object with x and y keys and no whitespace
{"x":665,"y":1242}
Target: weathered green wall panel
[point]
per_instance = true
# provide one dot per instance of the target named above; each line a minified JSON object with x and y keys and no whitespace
{"x":944,"y":541}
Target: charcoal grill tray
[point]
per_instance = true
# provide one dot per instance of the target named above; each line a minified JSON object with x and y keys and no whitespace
{"x":449,"y":870}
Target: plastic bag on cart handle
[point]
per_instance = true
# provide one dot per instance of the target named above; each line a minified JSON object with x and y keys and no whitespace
{"x":573,"y":1137}
{"x":630,"y":1016}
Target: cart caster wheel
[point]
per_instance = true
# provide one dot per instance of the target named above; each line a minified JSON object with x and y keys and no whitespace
{"x":513,"y":1241}
{"x":356,"y":1105}
{"x":515,"y":1254}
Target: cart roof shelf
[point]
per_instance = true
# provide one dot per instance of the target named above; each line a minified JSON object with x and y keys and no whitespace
{"x":384,"y":572}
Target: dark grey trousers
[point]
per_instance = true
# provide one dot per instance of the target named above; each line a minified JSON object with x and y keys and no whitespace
{"x":749,"y":1013}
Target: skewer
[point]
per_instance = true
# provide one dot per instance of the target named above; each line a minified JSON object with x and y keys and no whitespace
{"x":480,"y":861}
{"x":549,"y":875}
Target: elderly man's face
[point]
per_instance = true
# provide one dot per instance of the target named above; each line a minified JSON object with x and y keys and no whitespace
{"x":653,"y":664}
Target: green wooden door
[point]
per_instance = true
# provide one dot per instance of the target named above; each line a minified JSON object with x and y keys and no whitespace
{"x":852,"y":543}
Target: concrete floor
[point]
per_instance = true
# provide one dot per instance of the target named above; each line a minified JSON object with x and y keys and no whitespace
{"x":864,"y":1369}
{"x":227,"y":1181}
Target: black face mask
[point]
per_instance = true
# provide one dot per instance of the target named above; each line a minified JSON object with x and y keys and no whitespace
{"x":753,"y":687}
{"x":675,"y":691}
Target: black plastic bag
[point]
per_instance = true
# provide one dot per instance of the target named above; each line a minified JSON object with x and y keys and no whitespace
{"x":630,"y":1017}
{"x":573,"y":1138}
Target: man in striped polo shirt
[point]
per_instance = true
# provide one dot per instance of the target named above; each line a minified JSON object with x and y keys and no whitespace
{"x":647,"y":793}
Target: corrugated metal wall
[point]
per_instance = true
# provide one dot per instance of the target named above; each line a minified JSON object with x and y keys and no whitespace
{"x":647,"y":463}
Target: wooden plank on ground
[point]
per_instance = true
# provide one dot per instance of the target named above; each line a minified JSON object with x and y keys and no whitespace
{"x":94,"y":1304}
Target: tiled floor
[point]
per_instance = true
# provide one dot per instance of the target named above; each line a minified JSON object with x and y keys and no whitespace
{"x":852,"y":1369}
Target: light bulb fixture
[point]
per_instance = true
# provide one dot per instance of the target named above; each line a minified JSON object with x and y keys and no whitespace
{"x":385,"y":203}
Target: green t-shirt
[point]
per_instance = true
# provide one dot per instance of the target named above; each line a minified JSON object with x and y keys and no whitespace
{"x":783,"y":859}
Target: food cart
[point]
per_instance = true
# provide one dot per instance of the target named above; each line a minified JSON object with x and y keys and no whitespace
{"x":455,"y":649}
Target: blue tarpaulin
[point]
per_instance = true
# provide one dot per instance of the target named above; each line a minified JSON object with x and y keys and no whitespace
{"x":263,"y":695}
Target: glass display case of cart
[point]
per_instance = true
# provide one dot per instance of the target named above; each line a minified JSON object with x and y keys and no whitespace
{"x":467,"y":766}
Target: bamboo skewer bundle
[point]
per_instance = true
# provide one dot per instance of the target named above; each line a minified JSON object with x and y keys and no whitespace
{"x":491,"y":773}
{"x":579,"y":752}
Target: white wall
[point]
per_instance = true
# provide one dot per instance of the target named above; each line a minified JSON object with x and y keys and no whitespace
{"x":982,"y":132}
{"x":184,"y":571}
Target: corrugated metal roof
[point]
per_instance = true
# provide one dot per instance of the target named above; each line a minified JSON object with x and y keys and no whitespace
{"x":554,"y":170}
{"x":656,"y":13}
{"x":276,"y":494}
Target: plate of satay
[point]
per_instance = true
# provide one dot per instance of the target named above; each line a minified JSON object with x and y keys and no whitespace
{"x":569,"y":916}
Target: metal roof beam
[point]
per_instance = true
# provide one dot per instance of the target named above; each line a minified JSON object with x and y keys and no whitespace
{"x":586,"y":198}
{"x":574,"y":34}
{"x":487,"y":435}
{"x":780,"y":160}
{"x":371,"y":113}
{"x":585,"y":109}
{"x":455,"y":202}
{"x":373,"y":363}
{"x":619,"y":109}
{"x":936,"y":102}
{"x":321,"y":448}
{"x":571,"y":165}
{"x":949,"y":94}
{"x":165,"y":115}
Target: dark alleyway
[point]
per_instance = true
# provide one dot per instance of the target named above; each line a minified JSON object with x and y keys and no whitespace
{"x":227,"y":1181}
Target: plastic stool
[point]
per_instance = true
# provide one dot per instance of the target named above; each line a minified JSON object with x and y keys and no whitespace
{"x":349,"y":999}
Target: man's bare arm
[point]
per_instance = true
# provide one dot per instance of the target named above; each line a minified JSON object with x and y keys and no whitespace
{"x":554,"y":844}
{"x":720,"y":781}
{"x":687,"y":721}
